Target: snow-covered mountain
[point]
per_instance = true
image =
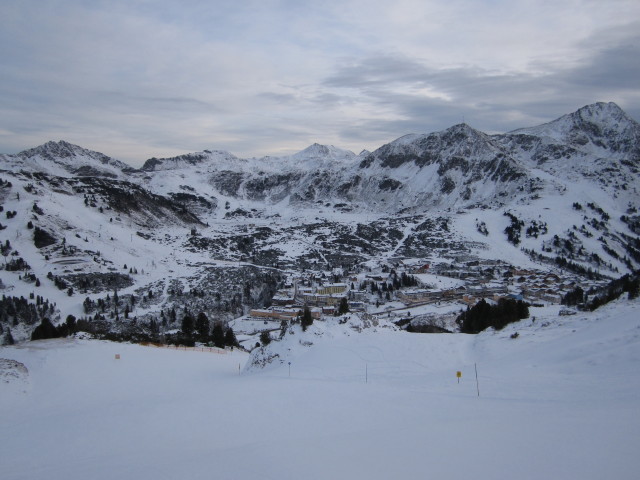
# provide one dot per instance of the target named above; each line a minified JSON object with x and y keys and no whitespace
{"x":559,"y":197}
{"x":600,"y":127}
{"x":456,"y":168}
{"x":65,"y":159}
{"x":222,"y":177}
{"x":599,"y":142}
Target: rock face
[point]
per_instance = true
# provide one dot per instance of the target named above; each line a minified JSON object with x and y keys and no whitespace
{"x":188,"y":160}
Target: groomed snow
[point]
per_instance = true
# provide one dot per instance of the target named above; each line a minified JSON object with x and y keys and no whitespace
{"x":560,"y":401}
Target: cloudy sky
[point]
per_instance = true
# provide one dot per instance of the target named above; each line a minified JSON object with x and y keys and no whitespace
{"x":141,"y":78}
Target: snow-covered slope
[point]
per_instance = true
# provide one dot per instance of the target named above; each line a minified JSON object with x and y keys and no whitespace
{"x":560,"y":401}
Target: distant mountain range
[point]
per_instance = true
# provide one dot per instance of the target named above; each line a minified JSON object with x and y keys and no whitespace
{"x":455,"y":168}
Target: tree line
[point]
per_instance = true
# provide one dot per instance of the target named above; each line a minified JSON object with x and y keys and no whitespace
{"x":484,"y":315}
{"x":593,"y":299}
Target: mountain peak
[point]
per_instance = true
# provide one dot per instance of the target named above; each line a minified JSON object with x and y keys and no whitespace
{"x":58,"y":149}
{"x":600,"y":113}
{"x":600,"y":108}
{"x":62,"y":156}
{"x":464,"y":130}
{"x":601,"y":124}
{"x":318,"y":151}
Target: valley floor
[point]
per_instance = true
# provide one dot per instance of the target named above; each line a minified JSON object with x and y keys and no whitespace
{"x":560,"y":401}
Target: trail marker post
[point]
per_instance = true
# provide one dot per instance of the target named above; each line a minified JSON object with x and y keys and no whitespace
{"x":477,"y":384}
{"x":289,"y":369}
{"x":458,"y":374}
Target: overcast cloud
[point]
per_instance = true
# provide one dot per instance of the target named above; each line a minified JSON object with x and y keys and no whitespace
{"x":140,"y":78}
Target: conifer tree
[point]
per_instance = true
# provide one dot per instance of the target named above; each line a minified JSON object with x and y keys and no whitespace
{"x":71,"y":324}
{"x":230,"y":339}
{"x":307,"y":319}
{"x":634,"y":288}
{"x":46,"y":329}
{"x":344,"y":306}
{"x":202,"y":327}
{"x":217,"y":335}
{"x":187,"y":324}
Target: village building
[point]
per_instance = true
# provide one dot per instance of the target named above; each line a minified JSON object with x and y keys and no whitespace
{"x":283,"y":313}
{"x":320,"y":300}
{"x":332,"y":289}
{"x":283,"y":298}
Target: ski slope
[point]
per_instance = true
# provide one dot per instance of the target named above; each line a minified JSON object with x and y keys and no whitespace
{"x":560,"y":401}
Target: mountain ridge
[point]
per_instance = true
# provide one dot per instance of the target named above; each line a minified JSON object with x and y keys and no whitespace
{"x":454,"y":168}
{"x":589,"y":119}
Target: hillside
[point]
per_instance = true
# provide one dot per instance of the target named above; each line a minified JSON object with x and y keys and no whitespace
{"x":560,"y":401}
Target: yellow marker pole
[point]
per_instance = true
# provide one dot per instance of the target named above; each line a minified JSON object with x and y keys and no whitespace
{"x":458,"y":374}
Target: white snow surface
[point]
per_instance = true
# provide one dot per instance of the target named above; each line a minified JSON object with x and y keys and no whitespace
{"x":560,"y":401}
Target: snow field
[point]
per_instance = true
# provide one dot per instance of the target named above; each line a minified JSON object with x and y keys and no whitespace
{"x":558,"y":402}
